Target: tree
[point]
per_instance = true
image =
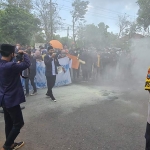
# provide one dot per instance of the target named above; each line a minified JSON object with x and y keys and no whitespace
{"x":102,"y":27}
{"x":24,"y":4}
{"x":38,"y":37}
{"x":133,"y":29}
{"x":103,"y":34}
{"x":80,"y":35}
{"x":64,"y":40}
{"x":17,"y":25}
{"x":95,"y":36}
{"x":123,"y":23}
{"x":91,"y":36}
{"x":47,"y":12}
{"x":78,"y":14}
{"x":144,"y":13}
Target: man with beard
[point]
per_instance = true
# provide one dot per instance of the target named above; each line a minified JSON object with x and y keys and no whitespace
{"x":12,"y":94}
{"x":51,"y":63}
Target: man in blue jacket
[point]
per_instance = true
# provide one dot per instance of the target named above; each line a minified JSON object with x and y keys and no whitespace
{"x":12,"y":94}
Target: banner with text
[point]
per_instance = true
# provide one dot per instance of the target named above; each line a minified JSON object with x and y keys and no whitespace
{"x":64,"y":78}
{"x":61,"y":79}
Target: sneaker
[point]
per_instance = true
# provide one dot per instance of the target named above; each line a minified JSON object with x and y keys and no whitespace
{"x":18,"y":145}
{"x":53,"y":98}
{"x":34,"y":93}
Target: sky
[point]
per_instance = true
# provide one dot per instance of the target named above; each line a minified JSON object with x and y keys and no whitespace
{"x":106,"y":11}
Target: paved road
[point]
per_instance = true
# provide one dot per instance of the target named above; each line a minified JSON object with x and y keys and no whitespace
{"x":84,"y":118}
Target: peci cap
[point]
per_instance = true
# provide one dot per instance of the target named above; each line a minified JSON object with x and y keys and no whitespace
{"x":7,"y":48}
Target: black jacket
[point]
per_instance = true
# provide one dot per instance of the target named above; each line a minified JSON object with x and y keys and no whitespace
{"x":32,"y":68}
{"x":48,"y":63}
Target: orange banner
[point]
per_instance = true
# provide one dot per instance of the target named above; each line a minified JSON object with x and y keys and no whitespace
{"x":75,"y":61}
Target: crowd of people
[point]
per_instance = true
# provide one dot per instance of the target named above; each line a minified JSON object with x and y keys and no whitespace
{"x":94,"y":65}
{"x":104,"y":65}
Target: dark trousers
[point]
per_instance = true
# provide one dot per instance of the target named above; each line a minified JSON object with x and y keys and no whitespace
{"x":32,"y":83}
{"x":50,"y":84}
{"x":147,"y":137}
{"x":76,"y":73}
{"x":13,"y":123}
{"x":85,"y":74}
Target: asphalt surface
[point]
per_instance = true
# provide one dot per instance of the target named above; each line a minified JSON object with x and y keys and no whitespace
{"x":85,"y":117}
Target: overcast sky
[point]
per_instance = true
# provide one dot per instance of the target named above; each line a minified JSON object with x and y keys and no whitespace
{"x":106,"y":11}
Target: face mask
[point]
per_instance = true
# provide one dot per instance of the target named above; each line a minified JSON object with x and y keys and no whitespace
{"x":17,"y":47}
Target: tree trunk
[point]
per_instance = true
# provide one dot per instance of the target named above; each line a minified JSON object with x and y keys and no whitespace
{"x":51,"y":18}
{"x":74,"y":37}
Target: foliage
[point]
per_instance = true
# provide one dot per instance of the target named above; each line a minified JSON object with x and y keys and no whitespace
{"x":123,"y":24}
{"x":63,"y":40}
{"x":132,"y":29}
{"x":38,"y":37}
{"x":24,"y":4}
{"x":49,"y":17}
{"x":78,"y":13}
{"x":98,"y":36}
{"x":144,"y":13}
{"x":17,"y":25}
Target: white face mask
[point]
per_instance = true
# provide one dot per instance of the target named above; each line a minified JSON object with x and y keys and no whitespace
{"x":17,"y":47}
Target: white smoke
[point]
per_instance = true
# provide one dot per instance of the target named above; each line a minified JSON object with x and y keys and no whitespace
{"x":140,"y":49}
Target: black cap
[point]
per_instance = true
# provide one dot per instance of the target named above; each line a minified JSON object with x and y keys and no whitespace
{"x":7,"y":48}
{"x":50,"y":47}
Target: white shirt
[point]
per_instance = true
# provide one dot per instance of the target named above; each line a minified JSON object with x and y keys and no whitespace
{"x":53,"y":67}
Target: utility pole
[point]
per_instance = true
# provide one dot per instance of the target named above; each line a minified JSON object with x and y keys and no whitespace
{"x":67,"y":36}
{"x":68,"y":32}
{"x":51,"y":18}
